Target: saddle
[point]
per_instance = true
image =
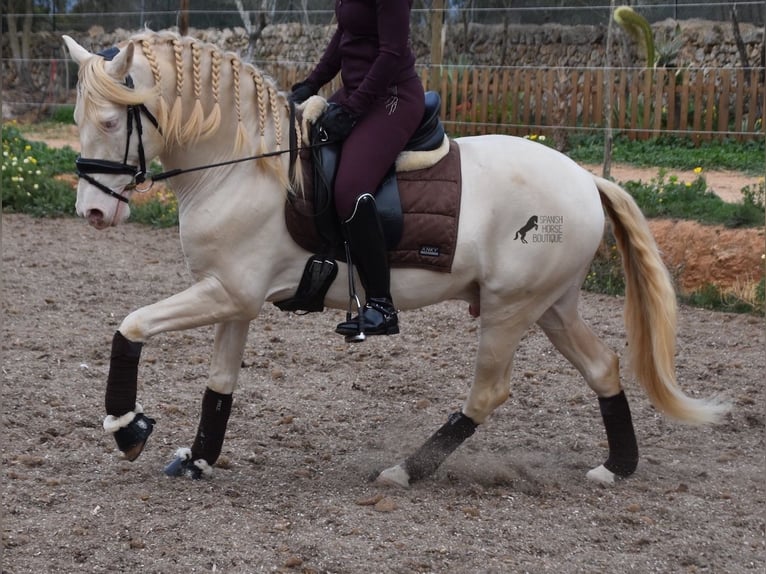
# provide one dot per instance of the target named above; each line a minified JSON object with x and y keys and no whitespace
{"x":428,"y":137}
{"x":418,"y":202}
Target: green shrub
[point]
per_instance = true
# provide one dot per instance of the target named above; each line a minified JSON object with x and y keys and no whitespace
{"x":28,"y":176}
{"x":667,"y":196}
{"x":160,"y":209}
{"x":606,"y":275}
{"x":711,"y":297}
{"x":671,"y":152}
{"x":63,"y":114}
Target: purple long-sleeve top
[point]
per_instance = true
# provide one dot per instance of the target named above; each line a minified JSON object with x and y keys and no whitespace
{"x":371,"y":50}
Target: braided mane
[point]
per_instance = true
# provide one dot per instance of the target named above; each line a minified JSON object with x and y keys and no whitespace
{"x":197,"y":87}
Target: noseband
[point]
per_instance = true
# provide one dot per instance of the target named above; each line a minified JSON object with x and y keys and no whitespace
{"x":86,"y":166}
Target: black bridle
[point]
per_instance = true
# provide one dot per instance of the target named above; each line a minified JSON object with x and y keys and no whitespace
{"x":86,"y":166}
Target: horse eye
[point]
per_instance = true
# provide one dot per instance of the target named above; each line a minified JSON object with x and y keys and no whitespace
{"x":109,"y":124}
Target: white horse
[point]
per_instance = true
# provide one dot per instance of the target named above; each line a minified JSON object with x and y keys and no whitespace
{"x":203,"y":108}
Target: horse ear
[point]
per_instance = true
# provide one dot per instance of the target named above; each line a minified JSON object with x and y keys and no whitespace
{"x":77,"y":52}
{"x":119,"y":66}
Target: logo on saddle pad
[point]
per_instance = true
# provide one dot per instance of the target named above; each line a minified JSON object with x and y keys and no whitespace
{"x":430,"y":251}
{"x":547,"y":228}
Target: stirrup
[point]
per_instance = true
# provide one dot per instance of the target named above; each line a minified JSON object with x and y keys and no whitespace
{"x":357,"y":336}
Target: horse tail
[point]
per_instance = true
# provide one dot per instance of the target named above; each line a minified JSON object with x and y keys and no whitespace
{"x":650,"y":311}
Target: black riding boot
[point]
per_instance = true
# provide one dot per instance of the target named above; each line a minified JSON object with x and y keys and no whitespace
{"x":370,"y":256}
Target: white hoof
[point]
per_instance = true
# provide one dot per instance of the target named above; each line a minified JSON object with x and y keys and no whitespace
{"x":394,"y":476}
{"x":601,"y":474}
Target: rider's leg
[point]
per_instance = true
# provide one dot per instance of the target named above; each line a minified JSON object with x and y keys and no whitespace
{"x":368,"y":250}
{"x":367,"y":155}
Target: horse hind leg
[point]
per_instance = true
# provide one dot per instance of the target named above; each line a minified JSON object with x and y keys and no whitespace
{"x":424,"y":462}
{"x":599,"y":365}
{"x":490,"y":389}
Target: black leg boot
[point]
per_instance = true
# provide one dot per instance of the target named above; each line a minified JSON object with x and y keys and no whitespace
{"x":370,"y":256}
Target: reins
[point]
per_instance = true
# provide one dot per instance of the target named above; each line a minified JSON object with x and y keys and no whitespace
{"x":294,"y":149}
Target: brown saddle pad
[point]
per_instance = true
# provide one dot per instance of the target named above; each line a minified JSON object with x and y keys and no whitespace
{"x":430,"y":204}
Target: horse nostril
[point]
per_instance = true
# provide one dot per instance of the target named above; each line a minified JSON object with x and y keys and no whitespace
{"x":95,"y":216}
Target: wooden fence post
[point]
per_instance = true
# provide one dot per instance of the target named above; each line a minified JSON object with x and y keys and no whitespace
{"x":183,"y":20}
{"x":609,"y":91}
{"x":437,"y":22}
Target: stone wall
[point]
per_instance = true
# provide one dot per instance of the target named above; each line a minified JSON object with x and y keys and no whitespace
{"x":704,"y":44}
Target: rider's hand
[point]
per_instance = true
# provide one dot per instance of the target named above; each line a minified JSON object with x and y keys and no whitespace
{"x":301,"y":92}
{"x":337,"y":122}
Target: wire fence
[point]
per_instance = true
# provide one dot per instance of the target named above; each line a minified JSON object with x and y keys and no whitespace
{"x":135,"y":14}
{"x":720,"y":103}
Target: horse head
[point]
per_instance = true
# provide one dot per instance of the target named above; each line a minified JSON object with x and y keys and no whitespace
{"x":201,"y":104}
{"x":116,"y":141}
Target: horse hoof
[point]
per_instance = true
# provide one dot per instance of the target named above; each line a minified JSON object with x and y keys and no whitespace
{"x":132,"y":438}
{"x":394,"y":476}
{"x":602,"y":475}
{"x":134,"y":452}
{"x":184,"y":466}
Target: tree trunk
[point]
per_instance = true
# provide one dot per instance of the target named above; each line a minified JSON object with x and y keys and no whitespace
{"x":741,"y":49}
{"x":608,"y":136}
{"x":183,"y":21}
{"x":437,"y":23}
{"x":20,"y":52}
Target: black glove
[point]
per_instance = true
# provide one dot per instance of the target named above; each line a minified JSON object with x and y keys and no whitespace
{"x":337,"y":122}
{"x":301,"y":92}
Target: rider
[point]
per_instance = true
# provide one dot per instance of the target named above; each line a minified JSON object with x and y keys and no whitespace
{"x":375,"y":112}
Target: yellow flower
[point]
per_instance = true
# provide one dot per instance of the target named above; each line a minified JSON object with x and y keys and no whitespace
{"x":698,"y":170}
{"x":688,"y":184}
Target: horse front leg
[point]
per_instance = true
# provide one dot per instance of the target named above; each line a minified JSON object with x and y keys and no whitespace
{"x":490,"y":389}
{"x":125,"y":417}
{"x":201,"y":304}
{"x":228,"y":350}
